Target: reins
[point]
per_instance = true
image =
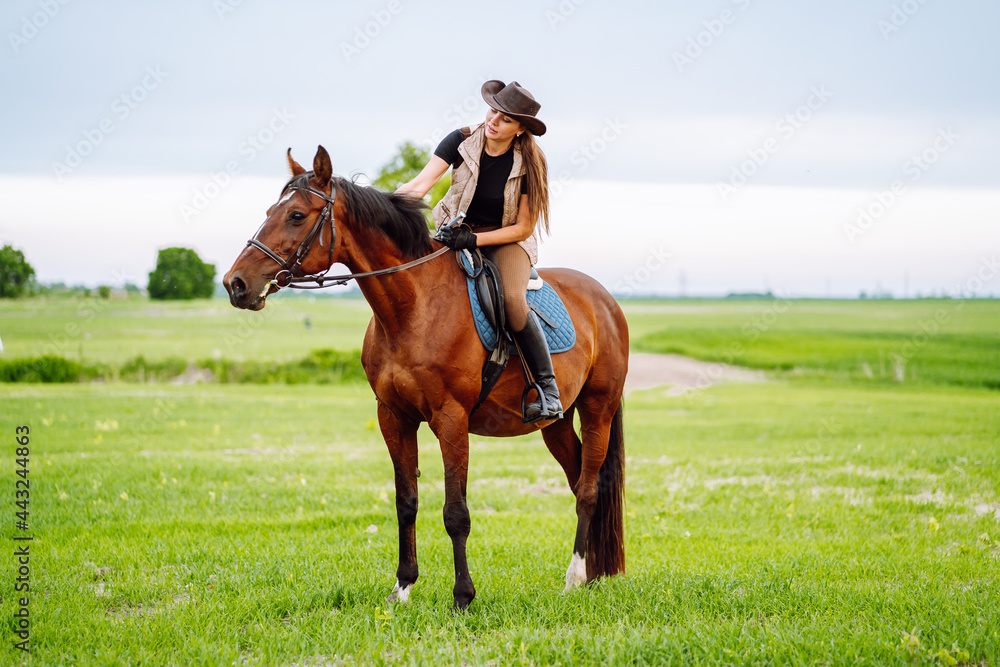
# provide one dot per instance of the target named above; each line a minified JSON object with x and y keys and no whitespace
{"x":290,"y":275}
{"x":320,"y":279}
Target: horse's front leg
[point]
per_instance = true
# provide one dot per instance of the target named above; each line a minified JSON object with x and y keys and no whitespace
{"x":452,"y":430}
{"x":401,"y":439}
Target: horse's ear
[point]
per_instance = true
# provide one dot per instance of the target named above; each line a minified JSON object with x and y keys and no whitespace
{"x":297,"y":169}
{"x":321,"y":166}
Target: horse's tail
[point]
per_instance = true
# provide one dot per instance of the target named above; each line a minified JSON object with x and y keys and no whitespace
{"x":606,"y":539}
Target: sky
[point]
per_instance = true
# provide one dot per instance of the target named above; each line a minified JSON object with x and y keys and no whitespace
{"x":702,"y":148}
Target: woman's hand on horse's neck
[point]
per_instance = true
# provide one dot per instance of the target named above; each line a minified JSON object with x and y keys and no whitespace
{"x":425,"y":180}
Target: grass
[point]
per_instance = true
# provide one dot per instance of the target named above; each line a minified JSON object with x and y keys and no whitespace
{"x":928,"y":341}
{"x":114,"y":331}
{"x":321,"y":366}
{"x":936,"y":341}
{"x":765,"y":525}
{"x":820,"y":518}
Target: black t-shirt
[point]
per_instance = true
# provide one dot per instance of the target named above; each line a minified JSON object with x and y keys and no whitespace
{"x":486,"y":207}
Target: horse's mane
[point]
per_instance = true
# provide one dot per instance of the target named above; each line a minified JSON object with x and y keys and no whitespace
{"x":399,"y":217}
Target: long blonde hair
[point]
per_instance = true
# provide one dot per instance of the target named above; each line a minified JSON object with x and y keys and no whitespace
{"x":538,"y":178}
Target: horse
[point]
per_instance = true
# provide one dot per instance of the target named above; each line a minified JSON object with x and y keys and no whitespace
{"x":423,"y":359}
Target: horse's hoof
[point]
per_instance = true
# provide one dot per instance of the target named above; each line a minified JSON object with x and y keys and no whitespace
{"x":463,"y":599}
{"x":399,"y":594}
{"x":576,"y":574}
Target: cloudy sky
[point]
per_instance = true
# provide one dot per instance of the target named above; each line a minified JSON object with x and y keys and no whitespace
{"x":705,"y":147}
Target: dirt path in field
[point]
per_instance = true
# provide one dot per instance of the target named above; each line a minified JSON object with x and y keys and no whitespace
{"x":682,"y":374}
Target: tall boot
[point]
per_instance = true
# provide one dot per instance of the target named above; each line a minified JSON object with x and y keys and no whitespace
{"x":535,"y":350}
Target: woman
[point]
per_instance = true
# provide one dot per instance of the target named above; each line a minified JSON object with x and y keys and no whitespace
{"x":500,"y":183}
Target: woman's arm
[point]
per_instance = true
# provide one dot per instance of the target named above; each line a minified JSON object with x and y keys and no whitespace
{"x":522,"y":228}
{"x":425,"y":180}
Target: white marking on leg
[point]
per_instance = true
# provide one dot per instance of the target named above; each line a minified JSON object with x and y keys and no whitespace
{"x":577,"y":572}
{"x":399,"y":594}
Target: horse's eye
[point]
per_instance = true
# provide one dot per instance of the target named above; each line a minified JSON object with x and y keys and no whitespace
{"x":297,"y":216}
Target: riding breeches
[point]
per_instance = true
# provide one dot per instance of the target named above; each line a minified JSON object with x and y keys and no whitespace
{"x":515,"y":270}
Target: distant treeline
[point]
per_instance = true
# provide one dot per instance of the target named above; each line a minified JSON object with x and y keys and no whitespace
{"x":323,"y":366}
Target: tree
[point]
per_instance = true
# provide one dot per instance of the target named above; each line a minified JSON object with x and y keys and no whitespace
{"x":180,"y":274}
{"x":16,"y":275}
{"x":405,"y":166}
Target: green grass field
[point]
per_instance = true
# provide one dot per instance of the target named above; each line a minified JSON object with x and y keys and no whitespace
{"x":940,"y":341}
{"x":885,"y":342}
{"x":113,"y":331}
{"x":824,"y":517}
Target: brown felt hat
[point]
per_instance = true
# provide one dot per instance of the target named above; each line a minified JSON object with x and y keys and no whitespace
{"x":516,"y":102}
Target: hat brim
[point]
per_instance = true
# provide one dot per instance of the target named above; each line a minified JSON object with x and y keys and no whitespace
{"x":491,"y":88}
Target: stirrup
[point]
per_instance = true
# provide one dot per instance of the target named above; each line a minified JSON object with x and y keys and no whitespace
{"x":544,"y":412}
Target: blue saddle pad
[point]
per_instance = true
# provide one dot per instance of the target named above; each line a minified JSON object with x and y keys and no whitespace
{"x":562,"y":337}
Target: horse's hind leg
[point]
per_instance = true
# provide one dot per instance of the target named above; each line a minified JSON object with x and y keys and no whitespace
{"x":597,"y":417}
{"x":564,"y":444}
{"x":401,"y":439}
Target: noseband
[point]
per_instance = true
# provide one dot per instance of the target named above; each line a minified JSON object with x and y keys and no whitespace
{"x":291,"y":268}
{"x":291,"y":274}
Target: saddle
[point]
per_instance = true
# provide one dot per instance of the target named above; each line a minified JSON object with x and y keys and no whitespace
{"x":487,"y":302}
{"x":489,"y":293}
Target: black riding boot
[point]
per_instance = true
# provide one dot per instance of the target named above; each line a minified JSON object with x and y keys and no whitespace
{"x":535,"y":349}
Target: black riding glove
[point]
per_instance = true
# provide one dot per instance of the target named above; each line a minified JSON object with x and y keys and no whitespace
{"x":457,"y":237}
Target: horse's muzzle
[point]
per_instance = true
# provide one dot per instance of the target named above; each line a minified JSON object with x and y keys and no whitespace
{"x":239,"y":297}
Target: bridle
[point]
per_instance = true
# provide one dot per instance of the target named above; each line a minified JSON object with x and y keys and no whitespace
{"x":291,"y":268}
{"x":291,"y":274}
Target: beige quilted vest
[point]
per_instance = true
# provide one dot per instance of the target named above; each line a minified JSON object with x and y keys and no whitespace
{"x":463,"y":187}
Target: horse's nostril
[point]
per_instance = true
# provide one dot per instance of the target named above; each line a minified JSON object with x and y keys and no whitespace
{"x":238,"y":286}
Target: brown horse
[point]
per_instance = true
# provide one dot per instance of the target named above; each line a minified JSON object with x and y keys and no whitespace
{"x":423,"y":359}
